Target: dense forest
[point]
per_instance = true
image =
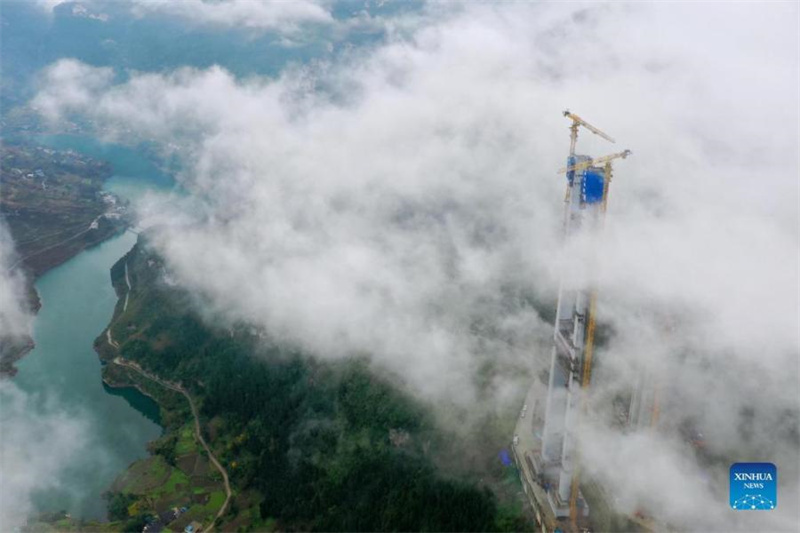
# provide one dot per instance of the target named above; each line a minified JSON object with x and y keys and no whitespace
{"x":327,"y":446}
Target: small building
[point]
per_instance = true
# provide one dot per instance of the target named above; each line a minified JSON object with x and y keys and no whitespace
{"x":194,"y":527}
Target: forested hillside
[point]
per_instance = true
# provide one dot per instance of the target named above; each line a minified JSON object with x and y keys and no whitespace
{"x":308,"y":445}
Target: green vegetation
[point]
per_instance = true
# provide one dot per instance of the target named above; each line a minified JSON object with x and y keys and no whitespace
{"x":151,"y":486}
{"x":177,"y":479}
{"x":118,"y":503}
{"x":215,"y":501}
{"x":144,"y":476}
{"x":54,"y":206}
{"x":49,"y":199}
{"x":186,"y":443}
{"x":308,"y":446}
{"x":122,"y":509}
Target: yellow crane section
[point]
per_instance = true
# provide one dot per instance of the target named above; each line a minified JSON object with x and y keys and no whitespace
{"x":573,"y":137}
{"x":586,"y":374}
{"x":586,"y":378}
{"x":578,"y":121}
{"x":595,"y":162}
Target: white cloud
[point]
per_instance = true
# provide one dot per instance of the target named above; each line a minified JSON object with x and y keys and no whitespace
{"x":281,"y":16}
{"x":239,"y":13}
{"x":77,"y":86}
{"x":406,"y":209}
{"x":47,"y":5}
{"x":15,"y":318}
{"x":34,"y":450}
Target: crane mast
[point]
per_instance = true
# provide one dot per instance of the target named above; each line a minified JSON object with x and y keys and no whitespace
{"x":578,"y":121}
{"x":552,"y":459}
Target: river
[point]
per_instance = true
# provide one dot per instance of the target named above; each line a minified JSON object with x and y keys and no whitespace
{"x":63,"y":369}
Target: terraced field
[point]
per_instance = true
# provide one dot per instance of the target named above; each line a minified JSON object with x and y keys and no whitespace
{"x":191,"y":482}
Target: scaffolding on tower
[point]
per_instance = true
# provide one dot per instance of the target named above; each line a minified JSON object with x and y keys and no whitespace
{"x":550,"y":465}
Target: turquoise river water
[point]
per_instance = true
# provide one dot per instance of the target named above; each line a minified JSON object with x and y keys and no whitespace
{"x":63,"y":369}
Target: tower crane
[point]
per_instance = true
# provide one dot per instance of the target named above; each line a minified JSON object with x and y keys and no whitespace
{"x":578,"y":121}
{"x":589,"y":346}
{"x":595,"y":162}
{"x":573,"y":166}
{"x":573,"y":139}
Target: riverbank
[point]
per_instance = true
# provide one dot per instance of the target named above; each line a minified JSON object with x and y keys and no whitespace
{"x":55,"y":207}
{"x":62,"y":374}
{"x":182,"y":471}
{"x":62,"y":379}
{"x":13,"y":350}
{"x":198,"y":435}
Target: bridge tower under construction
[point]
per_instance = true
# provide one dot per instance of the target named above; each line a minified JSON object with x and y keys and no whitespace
{"x":545,"y":442}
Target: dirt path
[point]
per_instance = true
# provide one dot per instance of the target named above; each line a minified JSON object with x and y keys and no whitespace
{"x":37,"y":252}
{"x":197,"y":433}
{"x":49,"y":235}
{"x":111,"y":341}
{"x":127,"y":294}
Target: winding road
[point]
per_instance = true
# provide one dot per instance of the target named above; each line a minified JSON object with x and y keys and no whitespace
{"x":127,"y":294}
{"x":197,"y":433}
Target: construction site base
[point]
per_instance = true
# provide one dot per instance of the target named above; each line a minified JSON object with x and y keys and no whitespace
{"x":551,"y":514}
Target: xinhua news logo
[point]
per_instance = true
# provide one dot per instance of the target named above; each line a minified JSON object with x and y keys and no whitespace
{"x":754,"y":486}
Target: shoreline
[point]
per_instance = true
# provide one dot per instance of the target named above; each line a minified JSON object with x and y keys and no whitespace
{"x":110,"y":219}
{"x":109,"y":228}
{"x":198,"y":435}
{"x":11,"y":355}
{"x":108,"y":351}
{"x":132,"y":385}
